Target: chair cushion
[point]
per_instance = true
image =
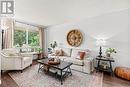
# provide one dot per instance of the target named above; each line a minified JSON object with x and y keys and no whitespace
{"x":27,"y":59}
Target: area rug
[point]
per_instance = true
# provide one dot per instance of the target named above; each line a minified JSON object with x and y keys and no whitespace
{"x":31,"y":78}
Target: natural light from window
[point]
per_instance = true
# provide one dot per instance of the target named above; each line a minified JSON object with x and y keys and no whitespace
{"x":26,"y":34}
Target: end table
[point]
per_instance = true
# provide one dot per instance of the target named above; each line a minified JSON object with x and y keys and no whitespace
{"x":108,"y":69}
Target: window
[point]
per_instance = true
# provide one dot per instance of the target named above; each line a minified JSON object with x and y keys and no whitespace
{"x":33,"y":38}
{"x":19,"y":37}
{"x":26,"y":34}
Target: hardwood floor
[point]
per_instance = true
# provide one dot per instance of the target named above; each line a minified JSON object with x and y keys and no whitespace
{"x":7,"y":81}
{"x":108,"y":81}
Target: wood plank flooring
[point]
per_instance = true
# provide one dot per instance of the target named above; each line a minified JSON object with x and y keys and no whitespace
{"x":108,"y":81}
{"x":7,"y":81}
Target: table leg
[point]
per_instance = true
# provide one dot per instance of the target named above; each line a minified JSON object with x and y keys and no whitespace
{"x":70,"y":71}
{"x":61,"y":78}
{"x":111,"y":68}
{"x":39,"y":67}
{"x":98,"y":66}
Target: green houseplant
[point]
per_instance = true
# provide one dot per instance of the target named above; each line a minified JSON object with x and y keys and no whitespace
{"x":53,"y":45}
{"x":109,"y":51}
{"x":39,"y":50}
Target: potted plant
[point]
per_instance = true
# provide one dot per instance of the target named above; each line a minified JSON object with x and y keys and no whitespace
{"x":39,"y":50}
{"x":53,"y":45}
{"x":109,"y":51}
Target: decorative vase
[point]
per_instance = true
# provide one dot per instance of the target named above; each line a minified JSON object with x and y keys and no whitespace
{"x":108,"y":55}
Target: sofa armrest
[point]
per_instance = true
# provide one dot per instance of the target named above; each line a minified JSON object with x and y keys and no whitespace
{"x":89,"y":62}
{"x":26,"y":54}
{"x":10,"y":56}
{"x":89,"y":58}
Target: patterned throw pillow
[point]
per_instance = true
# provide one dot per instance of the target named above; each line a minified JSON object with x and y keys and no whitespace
{"x":58,"y":53}
{"x":80,"y":55}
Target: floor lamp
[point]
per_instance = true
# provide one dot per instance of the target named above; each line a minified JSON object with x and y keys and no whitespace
{"x":101,"y":43}
{"x":3,"y":28}
{"x":2,"y":39}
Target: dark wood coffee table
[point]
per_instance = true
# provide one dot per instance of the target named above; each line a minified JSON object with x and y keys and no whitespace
{"x":63,"y":69}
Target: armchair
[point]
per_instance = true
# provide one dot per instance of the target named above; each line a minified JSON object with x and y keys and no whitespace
{"x":11,"y":59}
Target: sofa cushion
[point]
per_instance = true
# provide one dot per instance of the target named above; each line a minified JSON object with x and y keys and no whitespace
{"x":70,"y":59}
{"x":58,"y":52}
{"x":63,"y":57}
{"x":66,"y":51}
{"x":74,"y":61}
{"x":26,"y":59}
{"x":76,"y":51}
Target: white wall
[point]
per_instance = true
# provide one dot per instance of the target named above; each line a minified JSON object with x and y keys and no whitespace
{"x":114,"y":27}
{"x":105,"y":18}
{"x":51,"y":12}
{"x":0,"y":57}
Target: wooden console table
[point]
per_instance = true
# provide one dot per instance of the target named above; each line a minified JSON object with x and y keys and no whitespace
{"x":40,"y":55}
{"x":108,"y":69}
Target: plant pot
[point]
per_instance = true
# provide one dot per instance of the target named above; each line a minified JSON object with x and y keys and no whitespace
{"x":108,"y":55}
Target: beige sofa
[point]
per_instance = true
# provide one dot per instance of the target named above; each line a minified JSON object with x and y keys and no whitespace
{"x":11,"y":59}
{"x":69,"y":55}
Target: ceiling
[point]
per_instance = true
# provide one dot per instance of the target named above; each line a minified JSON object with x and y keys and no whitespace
{"x":52,"y":12}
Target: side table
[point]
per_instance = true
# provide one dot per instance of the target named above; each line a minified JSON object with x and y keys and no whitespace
{"x":40,"y":55}
{"x":108,"y":69}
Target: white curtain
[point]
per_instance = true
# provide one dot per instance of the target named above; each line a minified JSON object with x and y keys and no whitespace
{"x":8,"y":32}
{"x":42,"y":40}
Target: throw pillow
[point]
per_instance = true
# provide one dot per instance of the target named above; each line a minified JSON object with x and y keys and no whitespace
{"x":58,"y":53}
{"x":55,"y":53}
{"x":80,"y":55}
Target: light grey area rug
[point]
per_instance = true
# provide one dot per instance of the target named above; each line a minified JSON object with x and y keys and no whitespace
{"x":31,"y":78}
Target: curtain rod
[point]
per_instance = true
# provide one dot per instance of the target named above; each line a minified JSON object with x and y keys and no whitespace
{"x":27,"y":23}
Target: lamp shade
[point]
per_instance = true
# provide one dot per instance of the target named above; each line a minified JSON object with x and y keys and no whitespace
{"x":4,"y":27}
{"x":100,"y":42}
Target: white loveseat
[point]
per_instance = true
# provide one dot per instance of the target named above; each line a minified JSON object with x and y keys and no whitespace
{"x":69,"y":55}
{"x":11,"y":59}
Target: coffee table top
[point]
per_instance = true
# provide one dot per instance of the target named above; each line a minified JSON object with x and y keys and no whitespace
{"x":63,"y":64}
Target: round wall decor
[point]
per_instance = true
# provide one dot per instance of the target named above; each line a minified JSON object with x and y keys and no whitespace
{"x":74,"y":38}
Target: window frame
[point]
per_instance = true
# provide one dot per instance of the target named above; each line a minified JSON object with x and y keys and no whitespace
{"x":26,"y":30}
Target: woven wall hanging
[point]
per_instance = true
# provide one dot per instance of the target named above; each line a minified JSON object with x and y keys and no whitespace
{"x":74,"y":38}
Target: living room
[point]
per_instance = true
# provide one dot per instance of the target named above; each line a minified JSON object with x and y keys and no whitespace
{"x":75,"y":34}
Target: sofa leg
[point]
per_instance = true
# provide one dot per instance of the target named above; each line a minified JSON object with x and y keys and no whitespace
{"x":1,"y":71}
{"x":21,"y":71}
{"x":30,"y":64}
